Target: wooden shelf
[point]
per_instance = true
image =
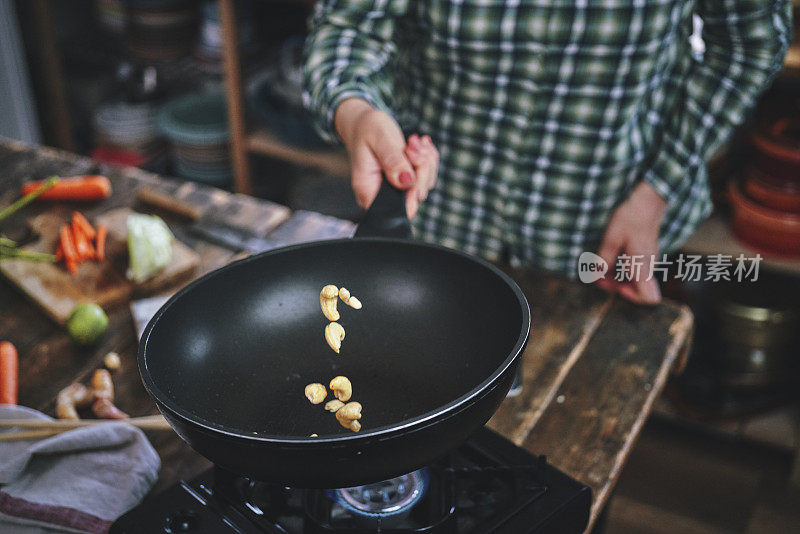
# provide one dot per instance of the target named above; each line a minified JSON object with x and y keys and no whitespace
{"x":333,"y":161}
{"x":260,"y":141}
{"x":714,"y":236}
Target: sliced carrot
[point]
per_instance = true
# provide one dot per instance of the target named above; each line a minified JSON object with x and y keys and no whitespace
{"x":59,"y":252}
{"x":77,"y":233}
{"x":72,"y":267}
{"x":79,"y":221}
{"x":9,"y":371}
{"x":81,"y":244}
{"x":91,"y":253}
{"x":92,"y":187}
{"x":68,"y":246}
{"x":100,"y":244}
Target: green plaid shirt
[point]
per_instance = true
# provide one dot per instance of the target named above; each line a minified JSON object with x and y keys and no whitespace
{"x":547,"y":112}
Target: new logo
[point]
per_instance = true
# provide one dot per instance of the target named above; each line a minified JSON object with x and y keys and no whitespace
{"x":591,"y":267}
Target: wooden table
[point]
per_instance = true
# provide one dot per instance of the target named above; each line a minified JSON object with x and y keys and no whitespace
{"x":593,"y":368}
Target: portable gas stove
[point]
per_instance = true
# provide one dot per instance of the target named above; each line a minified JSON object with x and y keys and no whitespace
{"x":486,"y":486}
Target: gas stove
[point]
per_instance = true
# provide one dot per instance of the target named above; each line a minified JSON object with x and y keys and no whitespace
{"x":486,"y":486}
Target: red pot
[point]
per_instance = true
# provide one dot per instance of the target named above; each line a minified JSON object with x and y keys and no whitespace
{"x":777,"y":146}
{"x":770,"y":193}
{"x":766,"y":230}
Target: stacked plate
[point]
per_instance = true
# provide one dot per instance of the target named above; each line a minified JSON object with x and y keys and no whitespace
{"x":127,"y":134}
{"x":161,"y":30}
{"x":197,"y":127}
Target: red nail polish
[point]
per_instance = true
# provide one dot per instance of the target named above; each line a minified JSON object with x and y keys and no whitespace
{"x":406,"y":178}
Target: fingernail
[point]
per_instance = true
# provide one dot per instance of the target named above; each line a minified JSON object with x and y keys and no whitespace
{"x":412,"y":204}
{"x":406,"y":178}
{"x":427,"y":140}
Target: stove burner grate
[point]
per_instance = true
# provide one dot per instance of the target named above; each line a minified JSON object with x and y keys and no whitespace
{"x":486,"y":486}
{"x":388,"y":498}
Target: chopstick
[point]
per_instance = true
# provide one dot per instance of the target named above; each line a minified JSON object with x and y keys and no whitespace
{"x":150,"y":422}
{"x":30,"y":434}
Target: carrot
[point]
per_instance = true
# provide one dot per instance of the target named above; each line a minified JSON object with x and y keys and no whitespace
{"x":33,"y":193}
{"x":91,"y":253}
{"x":92,"y":187}
{"x":9,"y":365}
{"x":68,"y":246}
{"x":81,"y":244}
{"x":79,"y":221}
{"x":59,"y":252}
{"x":100,"y":244}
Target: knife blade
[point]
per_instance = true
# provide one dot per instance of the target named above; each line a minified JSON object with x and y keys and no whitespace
{"x":205,"y":226}
{"x":231,"y":237}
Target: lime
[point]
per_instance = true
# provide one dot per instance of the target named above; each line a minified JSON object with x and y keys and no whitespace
{"x":87,"y":323}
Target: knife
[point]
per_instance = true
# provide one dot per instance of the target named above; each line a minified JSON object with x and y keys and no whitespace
{"x":205,"y":226}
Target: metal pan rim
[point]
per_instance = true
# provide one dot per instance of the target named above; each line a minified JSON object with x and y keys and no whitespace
{"x":387,"y":431}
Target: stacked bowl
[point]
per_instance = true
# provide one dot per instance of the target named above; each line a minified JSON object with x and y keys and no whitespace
{"x":160,"y":30}
{"x":110,"y":15}
{"x":766,"y":201}
{"x":196,"y":125}
{"x":208,"y":51}
{"x":127,"y":134}
{"x":275,"y":98}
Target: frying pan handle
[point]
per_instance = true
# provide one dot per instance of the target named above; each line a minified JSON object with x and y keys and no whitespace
{"x":386,"y":217}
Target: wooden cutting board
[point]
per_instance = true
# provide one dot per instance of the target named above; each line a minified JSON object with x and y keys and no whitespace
{"x":57,"y":292}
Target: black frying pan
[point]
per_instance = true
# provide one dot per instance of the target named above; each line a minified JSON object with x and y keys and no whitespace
{"x":430,"y":356}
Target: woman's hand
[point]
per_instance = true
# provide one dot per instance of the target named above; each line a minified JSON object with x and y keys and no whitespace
{"x":425,"y":158}
{"x":633,"y":230}
{"x":376,"y":146}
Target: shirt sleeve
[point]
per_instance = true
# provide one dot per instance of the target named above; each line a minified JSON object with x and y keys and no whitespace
{"x":745,"y":42}
{"x":348,"y":50}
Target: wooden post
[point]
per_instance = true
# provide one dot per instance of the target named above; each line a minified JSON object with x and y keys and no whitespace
{"x":52,"y":73}
{"x":233,"y":87}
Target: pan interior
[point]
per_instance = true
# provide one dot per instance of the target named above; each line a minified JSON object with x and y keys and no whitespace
{"x":237,"y":349}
